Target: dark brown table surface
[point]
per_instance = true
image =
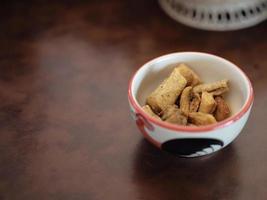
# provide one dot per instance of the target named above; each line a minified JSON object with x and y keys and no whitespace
{"x":65,"y":127}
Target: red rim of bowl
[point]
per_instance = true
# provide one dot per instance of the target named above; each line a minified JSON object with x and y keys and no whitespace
{"x":190,"y":129}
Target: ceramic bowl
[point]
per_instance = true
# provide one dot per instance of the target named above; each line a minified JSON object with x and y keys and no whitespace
{"x":184,"y":140}
{"x":216,"y":15}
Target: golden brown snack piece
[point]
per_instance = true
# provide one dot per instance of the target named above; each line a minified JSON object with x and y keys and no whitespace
{"x":167,"y":92}
{"x":199,"y":118}
{"x":219,"y":91}
{"x":149,"y":111}
{"x":174,"y":115}
{"x":208,"y":87}
{"x":185,"y":100}
{"x":208,"y":104}
{"x":197,"y":104}
{"x":191,"y":77}
{"x":194,"y":104}
{"x":222,"y":111}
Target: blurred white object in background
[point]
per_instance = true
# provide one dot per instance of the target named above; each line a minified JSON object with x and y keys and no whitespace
{"x":218,"y":15}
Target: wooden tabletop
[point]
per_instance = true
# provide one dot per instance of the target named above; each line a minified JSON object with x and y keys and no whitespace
{"x":65,"y":128}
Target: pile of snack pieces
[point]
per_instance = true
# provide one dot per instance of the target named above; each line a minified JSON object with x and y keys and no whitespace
{"x":184,"y":100}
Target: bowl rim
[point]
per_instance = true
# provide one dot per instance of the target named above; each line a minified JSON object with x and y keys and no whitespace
{"x":189,"y":129}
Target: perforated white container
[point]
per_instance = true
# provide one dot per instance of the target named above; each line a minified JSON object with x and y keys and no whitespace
{"x":219,"y":15}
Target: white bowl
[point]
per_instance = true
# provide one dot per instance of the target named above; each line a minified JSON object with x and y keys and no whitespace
{"x":183,"y":140}
{"x":216,"y":15}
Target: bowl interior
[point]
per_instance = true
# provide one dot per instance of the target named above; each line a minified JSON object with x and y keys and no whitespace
{"x":210,"y":68}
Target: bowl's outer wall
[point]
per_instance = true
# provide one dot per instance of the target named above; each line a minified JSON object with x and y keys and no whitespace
{"x":159,"y":135}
